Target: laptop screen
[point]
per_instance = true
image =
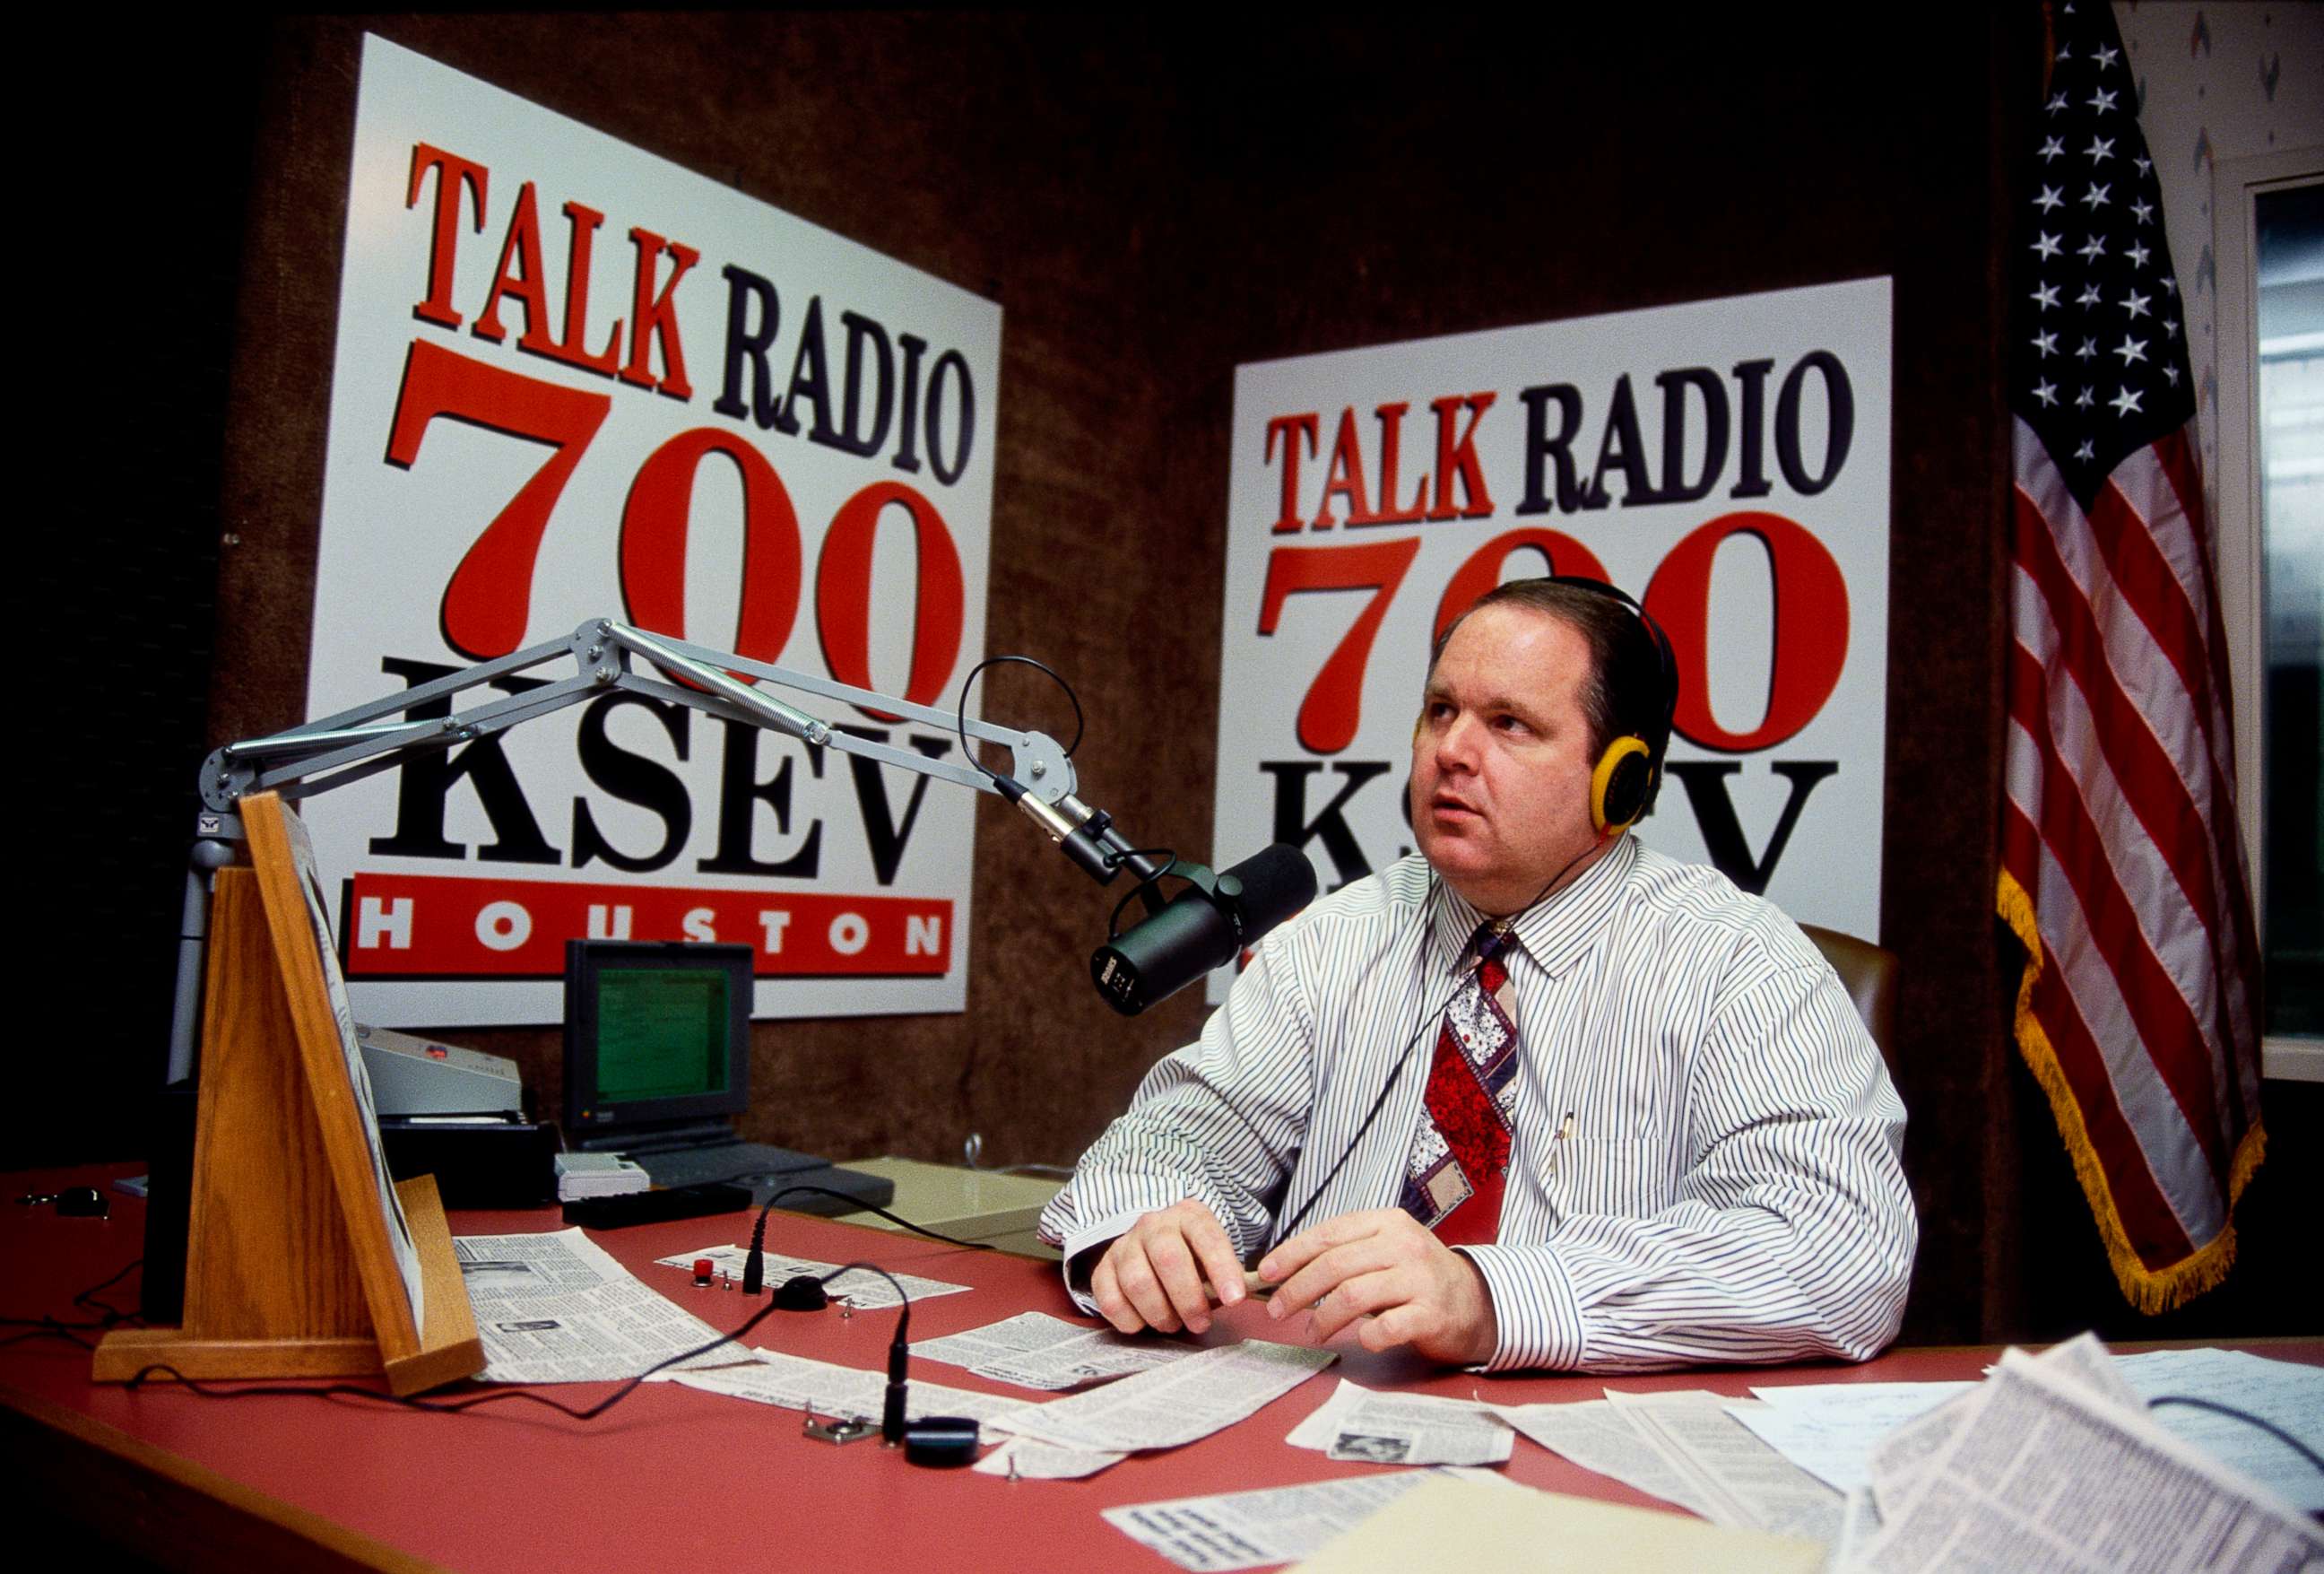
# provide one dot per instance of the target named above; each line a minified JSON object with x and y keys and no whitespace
{"x":655,"y":1033}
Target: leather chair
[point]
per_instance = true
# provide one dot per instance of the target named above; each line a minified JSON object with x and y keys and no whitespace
{"x":1870,"y":975}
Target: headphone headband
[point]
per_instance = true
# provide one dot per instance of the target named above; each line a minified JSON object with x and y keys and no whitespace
{"x":1629,"y":771}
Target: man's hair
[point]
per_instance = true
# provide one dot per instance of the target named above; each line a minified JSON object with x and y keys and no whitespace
{"x":1626,"y":691}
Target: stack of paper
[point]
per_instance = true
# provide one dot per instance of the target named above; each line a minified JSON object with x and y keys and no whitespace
{"x":1036,"y":1351}
{"x":2053,"y":1463}
{"x":1687,"y":1449}
{"x":580,"y":1175}
{"x":1164,"y":1408}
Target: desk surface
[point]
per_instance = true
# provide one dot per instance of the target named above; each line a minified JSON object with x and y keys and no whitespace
{"x":671,"y":1478}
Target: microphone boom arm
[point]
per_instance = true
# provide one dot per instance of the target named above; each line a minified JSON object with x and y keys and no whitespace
{"x":381,"y":734}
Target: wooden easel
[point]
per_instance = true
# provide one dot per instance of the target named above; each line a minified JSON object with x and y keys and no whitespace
{"x":291,"y":1262}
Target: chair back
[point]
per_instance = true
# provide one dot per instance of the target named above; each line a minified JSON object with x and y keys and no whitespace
{"x":1869,"y":974}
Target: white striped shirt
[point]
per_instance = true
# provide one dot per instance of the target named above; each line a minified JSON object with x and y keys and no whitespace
{"x":1731,"y":1191}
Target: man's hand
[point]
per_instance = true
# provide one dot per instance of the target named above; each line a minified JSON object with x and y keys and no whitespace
{"x":1163,"y":1273}
{"x":1384,"y":1264}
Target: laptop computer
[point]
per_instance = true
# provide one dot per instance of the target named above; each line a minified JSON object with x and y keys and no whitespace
{"x":658,"y":1064}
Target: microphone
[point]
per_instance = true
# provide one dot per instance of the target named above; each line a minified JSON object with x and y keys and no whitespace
{"x":1205,"y":926}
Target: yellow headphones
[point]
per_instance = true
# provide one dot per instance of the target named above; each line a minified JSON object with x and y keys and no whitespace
{"x":1620,"y":787}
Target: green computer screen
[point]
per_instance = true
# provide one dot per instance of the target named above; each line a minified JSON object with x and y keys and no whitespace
{"x":661,"y":1034}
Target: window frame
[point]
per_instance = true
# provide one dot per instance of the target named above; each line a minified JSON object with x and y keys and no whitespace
{"x":2235,"y":184}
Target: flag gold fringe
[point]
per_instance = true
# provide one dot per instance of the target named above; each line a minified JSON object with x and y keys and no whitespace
{"x":2150,"y":1291}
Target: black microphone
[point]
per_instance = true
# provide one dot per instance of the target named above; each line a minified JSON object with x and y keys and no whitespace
{"x":1205,"y":926}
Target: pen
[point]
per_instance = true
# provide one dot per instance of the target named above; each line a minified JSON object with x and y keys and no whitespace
{"x":1557,"y":1144}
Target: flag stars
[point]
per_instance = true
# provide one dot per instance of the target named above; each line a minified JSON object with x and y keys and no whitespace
{"x":2045,"y":296}
{"x":2049,"y":199}
{"x":2086,"y":452}
{"x":2145,"y":165}
{"x":2101,"y":148}
{"x":2092,"y":249}
{"x":2048,"y":247}
{"x":2047,"y":392}
{"x":2107,"y":56}
{"x":2144,"y":210}
{"x":2090,"y":348}
{"x":2095,"y":197}
{"x":2124,"y":402}
{"x":2103,"y":100}
{"x":2170,"y":285}
{"x":2134,"y":303}
{"x":2171,"y":372}
{"x":2130,"y":349}
{"x":2089,"y":297}
{"x":2046,"y":344}
{"x":2054,"y":148}
{"x":2083,"y":399}
{"x":2137,"y":254}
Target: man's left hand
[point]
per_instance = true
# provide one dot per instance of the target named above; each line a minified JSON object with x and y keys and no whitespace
{"x":1384,"y":1264}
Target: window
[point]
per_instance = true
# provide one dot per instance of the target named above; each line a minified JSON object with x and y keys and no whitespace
{"x":2268,"y":215}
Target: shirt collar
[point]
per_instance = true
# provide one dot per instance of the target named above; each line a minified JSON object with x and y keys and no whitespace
{"x":1554,"y":933}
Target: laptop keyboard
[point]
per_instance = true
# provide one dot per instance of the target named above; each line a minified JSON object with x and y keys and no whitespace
{"x":724,"y":1162}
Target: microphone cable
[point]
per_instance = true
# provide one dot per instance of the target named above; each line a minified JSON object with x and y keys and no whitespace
{"x":1492,"y":948}
{"x":960,"y":708}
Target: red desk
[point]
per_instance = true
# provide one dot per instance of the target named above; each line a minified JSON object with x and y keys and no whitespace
{"x":671,"y":1478}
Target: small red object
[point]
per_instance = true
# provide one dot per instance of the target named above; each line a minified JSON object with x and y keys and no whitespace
{"x":702,"y":1266}
{"x":438,"y":1052}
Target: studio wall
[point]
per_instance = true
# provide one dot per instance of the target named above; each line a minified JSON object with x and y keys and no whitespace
{"x":1151,"y":203}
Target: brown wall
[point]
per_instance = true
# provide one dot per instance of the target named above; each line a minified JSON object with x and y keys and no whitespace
{"x":1152,"y":203}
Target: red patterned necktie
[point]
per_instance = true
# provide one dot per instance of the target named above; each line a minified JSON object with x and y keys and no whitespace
{"x":1461,"y":1153}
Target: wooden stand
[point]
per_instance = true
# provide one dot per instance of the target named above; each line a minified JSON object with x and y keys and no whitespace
{"x":293,"y":1266}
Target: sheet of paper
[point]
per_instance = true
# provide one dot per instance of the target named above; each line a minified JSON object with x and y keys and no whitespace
{"x":1403,"y":1429}
{"x":1036,"y":1351}
{"x":1829,"y":1429}
{"x":1023,"y":1459}
{"x":2283,"y":1394}
{"x":2040,"y":1471}
{"x":1250,"y":1530}
{"x":555,"y":1307}
{"x":855,"y":1288}
{"x":797,"y":1383}
{"x":1742,"y":1480}
{"x":1174,"y":1404}
{"x":1591,"y":1435}
{"x":1450,"y":1523}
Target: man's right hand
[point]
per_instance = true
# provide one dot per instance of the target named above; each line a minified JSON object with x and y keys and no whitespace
{"x":1166,"y":1269}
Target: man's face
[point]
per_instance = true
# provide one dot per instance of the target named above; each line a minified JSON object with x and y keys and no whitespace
{"x":1501,"y":762}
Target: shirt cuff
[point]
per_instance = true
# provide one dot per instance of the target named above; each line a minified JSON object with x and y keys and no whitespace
{"x":1080,"y":1249}
{"x":1537,"y":1314}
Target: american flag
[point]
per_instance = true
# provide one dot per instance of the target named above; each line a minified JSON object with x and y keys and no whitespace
{"x":2122,"y":871}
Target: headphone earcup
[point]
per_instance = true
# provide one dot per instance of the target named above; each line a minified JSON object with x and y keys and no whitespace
{"x":1618,"y":787}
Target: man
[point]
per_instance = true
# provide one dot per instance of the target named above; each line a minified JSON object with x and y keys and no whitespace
{"x":1555,"y":1100}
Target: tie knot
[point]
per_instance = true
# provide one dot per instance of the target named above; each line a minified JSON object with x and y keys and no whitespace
{"x":1488,"y":941}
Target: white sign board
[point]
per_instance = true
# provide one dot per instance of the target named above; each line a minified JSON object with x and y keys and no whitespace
{"x":572,"y":380}
{"x":1725,"y":461}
